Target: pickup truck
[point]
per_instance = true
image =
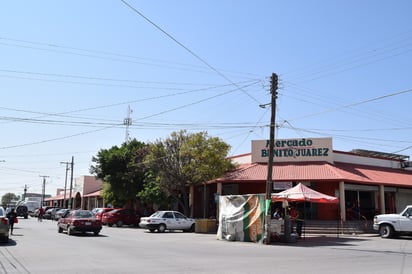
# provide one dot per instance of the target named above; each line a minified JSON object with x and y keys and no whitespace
{"x":390,"y":225}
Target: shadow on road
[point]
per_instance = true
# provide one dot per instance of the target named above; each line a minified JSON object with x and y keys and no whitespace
{"x":316,"y":241}
{"x":11,"y":242}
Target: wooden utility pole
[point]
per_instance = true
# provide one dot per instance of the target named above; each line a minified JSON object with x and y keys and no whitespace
{"x":43,"y":189}
{"x":71,"y":184}
{"x":65,"y":183}
{"x":269,"y":181}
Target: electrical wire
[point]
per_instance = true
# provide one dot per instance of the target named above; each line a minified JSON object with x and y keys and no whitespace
{"x":189,"y":51}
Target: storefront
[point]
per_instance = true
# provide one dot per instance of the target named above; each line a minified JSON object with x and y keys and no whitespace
{"x":366,"y":182}
{"x":85,"y":194}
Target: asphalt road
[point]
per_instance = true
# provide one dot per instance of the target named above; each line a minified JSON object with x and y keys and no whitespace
{"x":36,"y":247}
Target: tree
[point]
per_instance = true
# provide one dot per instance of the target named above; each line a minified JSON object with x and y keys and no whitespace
{"x":122,"y":171}
{"x":152,"y":193}
{"x":186,"y":159}
{"x":8,"y":198}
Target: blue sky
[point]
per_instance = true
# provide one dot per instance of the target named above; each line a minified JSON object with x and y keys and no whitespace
{"x":70,"y":69}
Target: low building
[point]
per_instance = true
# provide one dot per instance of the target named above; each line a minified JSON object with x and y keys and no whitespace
{"x":85,"y":194}
{"x":366,"y":182}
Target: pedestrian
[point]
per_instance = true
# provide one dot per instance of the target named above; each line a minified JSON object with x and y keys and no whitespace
{"x":12,"y":215}
{"x":296,"y":218}
{"x":41,"y":213}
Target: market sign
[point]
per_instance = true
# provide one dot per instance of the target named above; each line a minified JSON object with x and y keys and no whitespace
{"x":293,"y":150}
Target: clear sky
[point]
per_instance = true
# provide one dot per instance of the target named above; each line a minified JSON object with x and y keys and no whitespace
{"x":69,"y":71}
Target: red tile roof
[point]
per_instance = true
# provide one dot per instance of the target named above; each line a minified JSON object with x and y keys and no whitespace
{"x":321,"y":171}
{"x":372,"y":174}
{"x":96,"y":193}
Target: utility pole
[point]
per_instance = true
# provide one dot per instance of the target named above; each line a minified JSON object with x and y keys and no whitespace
{"x":71,"y":184}
{"x":128,"y":122}
{"x":269,"y":181}
{"x":43,"y":189}
{"x":65,"y":183}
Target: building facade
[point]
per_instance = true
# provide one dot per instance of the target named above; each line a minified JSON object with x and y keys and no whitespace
{"x":85,"y":194}
{"x":366,"y":182}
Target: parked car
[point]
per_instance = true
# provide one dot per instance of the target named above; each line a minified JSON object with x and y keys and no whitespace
{"x":48,"y":213}
{"x":167,"y":220}
{"x":45,"y":209}
{"x":53,"y":213}
{"x":79,"y":221}
{"x":4,"y":226}
{"x":98,"y":212}
{"x":120,"y":217}
{"x":22,"y":211}
{"x":59,"y":213}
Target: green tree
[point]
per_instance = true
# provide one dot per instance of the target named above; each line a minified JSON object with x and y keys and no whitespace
{"x":122,"y":171}
{"x":8,"y":198}
{"x":186,"y":159}
{"x":152,"y":193}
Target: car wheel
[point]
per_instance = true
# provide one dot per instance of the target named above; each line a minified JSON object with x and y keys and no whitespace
{"x":152,"y":230}
{"x":192,"y":228}
{"x":60,"y":230}
{"x":386,"y":231}
{"x":110,"y":225}
{"x":69,"y":231}
{"x":161,"y":228}
{"x":119,"y":223}
{"x":96,"y":233}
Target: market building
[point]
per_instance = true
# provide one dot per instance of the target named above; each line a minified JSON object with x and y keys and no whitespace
{"x":366,"y":182}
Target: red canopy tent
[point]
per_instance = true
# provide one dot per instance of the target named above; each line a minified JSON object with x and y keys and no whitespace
{"x":302,"y":193}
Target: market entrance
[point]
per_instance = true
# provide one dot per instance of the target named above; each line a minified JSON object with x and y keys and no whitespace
{"x":360,"y":204}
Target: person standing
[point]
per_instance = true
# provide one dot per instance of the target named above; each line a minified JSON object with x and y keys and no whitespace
{"x":12,"y":215}
{"x":41,"y":213}
{"x":293,"y":215}
{"x":296,"y":218}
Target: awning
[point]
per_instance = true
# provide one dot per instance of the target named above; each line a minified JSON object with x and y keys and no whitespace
{"x":302,"y":193}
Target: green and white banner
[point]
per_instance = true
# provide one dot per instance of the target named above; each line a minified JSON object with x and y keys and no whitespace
{"x":241,"y":217}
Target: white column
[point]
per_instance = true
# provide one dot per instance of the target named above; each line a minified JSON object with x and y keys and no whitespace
{"x":219,"y":188}
{"x":342,"y":201}
{"x":382,"y":198}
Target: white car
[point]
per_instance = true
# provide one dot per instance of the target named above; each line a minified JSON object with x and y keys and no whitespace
{"x":167,"y":220}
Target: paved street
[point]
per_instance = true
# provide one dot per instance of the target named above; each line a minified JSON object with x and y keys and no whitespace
{"x":38,"y":248}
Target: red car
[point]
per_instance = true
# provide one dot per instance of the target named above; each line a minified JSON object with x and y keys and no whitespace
{"x":98,"y":212}
{"x":120,"y":217}
{"x":79,"y":221}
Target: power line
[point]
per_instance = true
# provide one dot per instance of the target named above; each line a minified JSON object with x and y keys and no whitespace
{"x":55,"y":139}
{"x":361,"y":57}
{"x":189,"y":50}
{"x":61,"y":75}
{"x":64,"y":114}
{"x":355,"y":104}
{"x":112,"y":56}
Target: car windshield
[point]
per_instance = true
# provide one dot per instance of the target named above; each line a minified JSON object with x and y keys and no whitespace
{"x":83,"y":214}
{"x":157,"y":214}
